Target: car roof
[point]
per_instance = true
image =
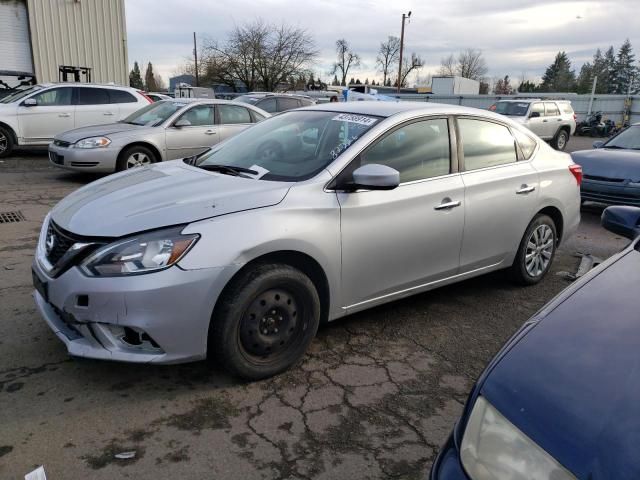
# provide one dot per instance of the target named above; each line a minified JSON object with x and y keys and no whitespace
{"x":530,"y":100}
{"x":269,"y":94}
{"x":387,"y":109}
{"x":91,"y":85}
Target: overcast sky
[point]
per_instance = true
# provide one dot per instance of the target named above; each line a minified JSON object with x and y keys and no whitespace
{"x":518,"y":37}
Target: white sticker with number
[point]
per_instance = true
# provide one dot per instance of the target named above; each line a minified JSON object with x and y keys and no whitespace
{"x":352,"y":118}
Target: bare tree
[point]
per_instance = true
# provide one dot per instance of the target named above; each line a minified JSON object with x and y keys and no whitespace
{"x":448,"y":66}
{"x":503,"y":86}
{"x":469,"y":64}
{"x":346,"y":59}
{"x":388,"y":56}
{"x":408,"y":66}
{"x":160,"y":85}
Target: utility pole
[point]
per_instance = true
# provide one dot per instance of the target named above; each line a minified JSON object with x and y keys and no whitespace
{"x":401,"y":48}
{"x":195,"y":57}
{"x":593,"y":92}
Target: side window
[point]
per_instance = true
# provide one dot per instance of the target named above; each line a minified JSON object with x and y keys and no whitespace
{"x":199,"y":116}
{"x":538,"y":108}
{"x":268,"y":105}
{"x":418,"y":150}
{"x":54,"y":97}
{"x":551,"y":109}
{"x":527,"y":144}
{"x":120,"y":96}
{"x":566,"y":108}
{"x":285,"y":104}
{"x":486,"y":144}
{"x":230,"y":114}
{"x":92,"y":96}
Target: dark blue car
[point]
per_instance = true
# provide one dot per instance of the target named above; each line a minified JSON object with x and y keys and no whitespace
{"x":611,"y":172}
{"x":561,"y":400}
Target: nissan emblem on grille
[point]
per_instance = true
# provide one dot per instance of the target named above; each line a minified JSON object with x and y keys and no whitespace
{"x":51,"y":242}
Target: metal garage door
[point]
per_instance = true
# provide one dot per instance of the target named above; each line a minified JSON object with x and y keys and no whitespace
{"x":15,"y":46}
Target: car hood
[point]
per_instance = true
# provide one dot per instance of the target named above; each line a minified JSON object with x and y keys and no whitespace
{"x":607,"y":163}
{"x":572,"y":383}
{"x":170,"y":193}
{"x":72,"y":136}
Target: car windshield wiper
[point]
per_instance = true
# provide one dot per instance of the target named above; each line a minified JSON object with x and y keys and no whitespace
{"x":229,"y":169}
{"x":614,"y":146}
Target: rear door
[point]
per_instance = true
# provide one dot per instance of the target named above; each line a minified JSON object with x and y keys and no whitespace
{"x":195,"y":138}
{"x":553,"y":117}
{"x":53,"y":114}
{"x":268,"y":104}
{"x":94,"y":107}
{"x":124,"y":101}
{"x":285,"y":104}
{"x":232,"y":119}
{"x":501,"y":191}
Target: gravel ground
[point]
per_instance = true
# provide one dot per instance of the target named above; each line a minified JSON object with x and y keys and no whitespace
{"x":375,"y":397}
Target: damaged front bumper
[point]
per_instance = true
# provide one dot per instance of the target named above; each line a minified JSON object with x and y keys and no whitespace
{"x":160,"y":317}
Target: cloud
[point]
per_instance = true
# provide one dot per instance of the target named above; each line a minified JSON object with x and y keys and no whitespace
{"x":516,"y":36}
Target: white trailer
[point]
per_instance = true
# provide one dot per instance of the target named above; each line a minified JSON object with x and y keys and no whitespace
{"x":454,"y":85}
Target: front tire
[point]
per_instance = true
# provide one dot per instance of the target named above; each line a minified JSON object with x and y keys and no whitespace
{"x":536,"y":251}
{"x":264,"y":321}
{"x":6,"y":142}
{"x":134,"y":157}
{"x":560,"y":141}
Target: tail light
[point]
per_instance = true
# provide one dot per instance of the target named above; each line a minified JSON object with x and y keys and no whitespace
{"x":576,"y":171}
{"x":145,"y":96}
{"x":575,"y":117}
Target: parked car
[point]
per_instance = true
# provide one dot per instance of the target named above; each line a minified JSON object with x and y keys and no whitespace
{"x":275,"y":103}
{"x":553,"y":121}
{"x":560,"y":401}
{"x":32,"y":117}
{"x":156,"y":97}
{"x":612,"y":170}
{"x":241,"y":255}
{"x":164,"y":130}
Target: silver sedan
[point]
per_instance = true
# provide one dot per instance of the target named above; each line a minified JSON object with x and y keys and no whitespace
{"x":309,"y":216}
{"x":164,"y":130}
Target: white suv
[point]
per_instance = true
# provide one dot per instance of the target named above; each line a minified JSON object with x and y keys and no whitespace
{"x":553,"y":121}
{"x":32,"y":117}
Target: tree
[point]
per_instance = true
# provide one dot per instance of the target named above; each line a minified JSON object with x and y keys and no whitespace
{"x":469,"y":64}
{"x":160,"y":85}
{"x":559,"y":77}
{"x":346,"y":59}
{"x":503,"y":86}
{"x":261,"y":55}
{"x":447,"y":66}
{"x":388,"y":84}
{"x":625,"y":72}
{"x":352,"y":81}
{"x":366,"y":81}
{"x":358,"y":82}
{"x":335,"y":82}
{"x":484,"y":87}
{"x":527,"y":86}
{"x":388,"y":54}
{"x":584,"y":83}
{"x":135,"y":80}
{"x":149,"y":79}
{"x":408,"y":66}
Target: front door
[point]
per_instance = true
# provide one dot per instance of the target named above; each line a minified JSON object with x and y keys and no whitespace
{"x":198,"y":134}
{"x":394,"y":242}
{"x":500,"y":194}
{"x":52,"y":114}
{"x":538,"y":124}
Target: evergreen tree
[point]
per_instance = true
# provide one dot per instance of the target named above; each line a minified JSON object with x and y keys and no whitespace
{"x":311,"y":80}
{"x":388,"y":82}
{"x":527,"y":86}
{"x":559,"y":77}
{"x":625,"y":72}
{"x":366,"y":81}
{"x":352,"y":81}
{"x":358,"y":82}
{"x":608,"y":70}
{"x":135,"y":80}
{"x":149,"y":79}
{"x":335,"y":81}
{"x":584,"y":83}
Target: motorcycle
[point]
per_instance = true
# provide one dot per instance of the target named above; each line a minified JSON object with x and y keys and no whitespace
{"x":594,"y":126}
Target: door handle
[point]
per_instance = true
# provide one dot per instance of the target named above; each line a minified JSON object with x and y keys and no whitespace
{"x":545,"y":121}
{"x":524,"y":189}
{"x":108,"y":114}
{"x":447,"y":204}
{"x":64,"y":115}
{"x":210,"y":132}
{"x":559,"y":119}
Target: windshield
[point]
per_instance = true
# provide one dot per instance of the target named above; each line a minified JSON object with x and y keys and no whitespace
{"x":246,"y":99}
{"x":154,"y":114}
{"x":292,"y":146}
{"x":518,"y":109}
{"x":629,"y":138}
{"x":20,"y":94}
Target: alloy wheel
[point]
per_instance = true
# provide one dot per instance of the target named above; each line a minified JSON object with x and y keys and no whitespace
{"x":562,"y":141}
{"x":138,"y":159}
{"x":539,"y":252}
{"x":3,"y":142}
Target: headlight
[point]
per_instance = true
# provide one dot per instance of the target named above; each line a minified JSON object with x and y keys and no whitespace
{"x":93,"y":142}
{"x":145,"y":253}
{"x":494,"y":449}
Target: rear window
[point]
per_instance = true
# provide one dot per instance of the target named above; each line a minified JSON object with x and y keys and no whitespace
{"x":92,"y":96}
{"x":551,"y":110}
{"x":566,"y":108}
{"x":120,"y":96}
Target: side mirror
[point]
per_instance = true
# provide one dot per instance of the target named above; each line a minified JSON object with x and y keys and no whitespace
{"x":30,"y":102}
{"x":534,"y":115}
{"x":598,"y":144}
{"x":375,"y":177}
{"x":623,"y":221}
{"x":183,"y":122}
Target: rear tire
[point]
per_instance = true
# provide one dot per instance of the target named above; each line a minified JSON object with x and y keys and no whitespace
{"x":6,"y":142}
{"x":560,"y":141}
{"x":134,"y":157}
{"x":264,"y":321}
{"x":536,"y":251}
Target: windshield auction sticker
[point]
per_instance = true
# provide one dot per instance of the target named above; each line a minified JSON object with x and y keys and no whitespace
{"x":352,"y":118}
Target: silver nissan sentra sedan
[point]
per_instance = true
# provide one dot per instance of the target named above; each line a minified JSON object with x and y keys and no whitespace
{"x":164,"y":130}
{"x":305,"y":217}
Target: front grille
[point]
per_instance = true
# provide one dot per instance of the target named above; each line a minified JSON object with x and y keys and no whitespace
{"x":603,"y":179}
{"x":55,"y":158}
{"x":57,"y":243}
{"x":61,"y":143}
